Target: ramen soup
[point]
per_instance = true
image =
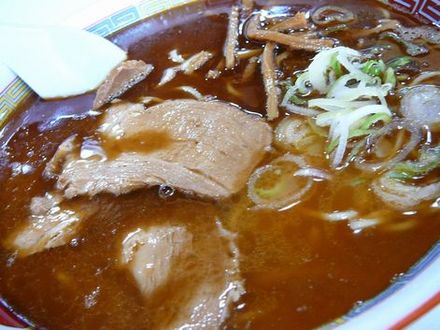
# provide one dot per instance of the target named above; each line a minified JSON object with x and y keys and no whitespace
{"x":252,"y":165}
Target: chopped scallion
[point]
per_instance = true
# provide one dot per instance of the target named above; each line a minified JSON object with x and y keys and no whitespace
{"x":302,"y":83}
{"x":399,"y":62}
{"x":369,"y":121}
{"x":332,"y":145}
{"x":429,"y":159}
{"x":352,"y":134}
{"x":390,"y":77}
{"x":374,"y":68}
{"x":336,"y":66}
{"x":402,"y":77}
{"x":295,"y":99}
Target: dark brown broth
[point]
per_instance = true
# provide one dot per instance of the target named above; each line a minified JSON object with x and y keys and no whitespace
{"x":299,"y":270}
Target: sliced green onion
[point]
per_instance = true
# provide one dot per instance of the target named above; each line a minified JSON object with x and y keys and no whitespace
{"x":269,"y":193}
{"x":291,"y":90}
{"x":274,"y":186}
{"x":352,"y":134}
{"x":429,"y":159}
{"x":295,"y":99}
{"x":332,"y":145}
{"x":374,"y":68}
{"x":390,"y":77}
{"x":350,"y":89}
{"x":402,"y":77}
{"x":399,"y":62}
{"x":374,"y":119}
{"x":302,"y":83}
{"x":319,"y":67}
{"x":358,"y":133}
{"x":335,"y":65}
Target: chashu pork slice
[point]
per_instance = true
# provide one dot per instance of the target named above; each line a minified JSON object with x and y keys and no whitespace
{"x":120,"y":80}
{"x":203,"y":148}
{"x":189,"y":281}
{"x":149,"y":254}
{"x":51,"y":224}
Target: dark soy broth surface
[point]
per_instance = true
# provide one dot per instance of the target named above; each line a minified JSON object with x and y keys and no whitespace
{"x":299,"y":270}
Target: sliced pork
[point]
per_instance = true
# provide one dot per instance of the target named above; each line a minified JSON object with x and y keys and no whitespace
{"x":149,"y":254}
{"x":66,"y":148}
{"x":203,"y":148}
{"x":203,"y":266}
{"x":51,"y":224}
{"x":120,"y":80}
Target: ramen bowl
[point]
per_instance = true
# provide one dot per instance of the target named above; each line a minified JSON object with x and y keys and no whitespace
{"x":412,"y":299}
